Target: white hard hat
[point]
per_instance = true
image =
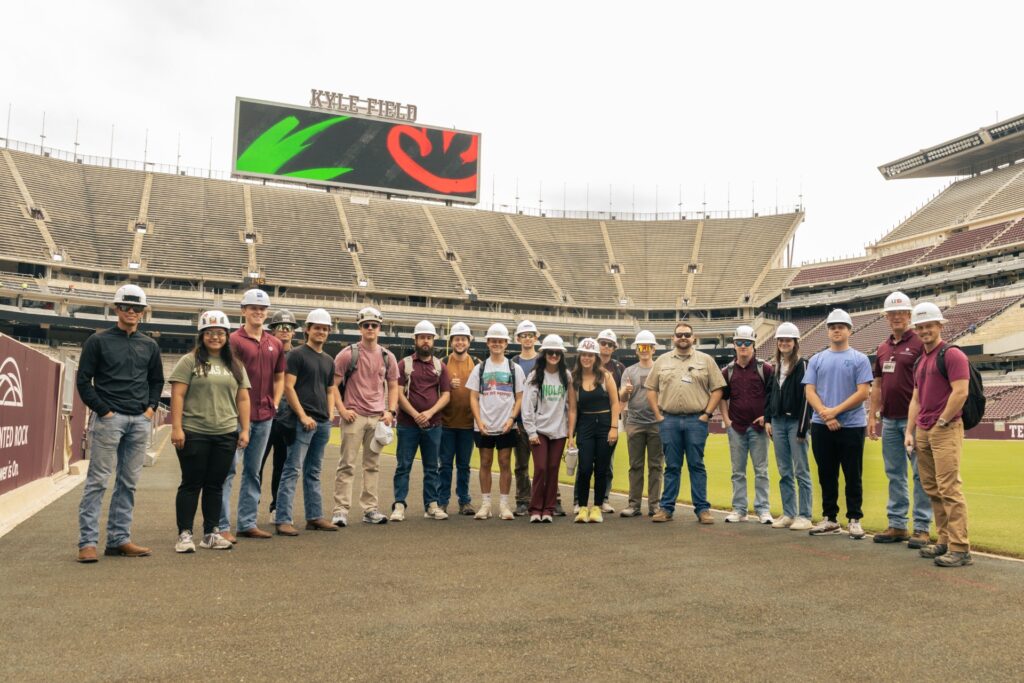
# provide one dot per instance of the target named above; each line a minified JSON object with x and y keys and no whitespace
{"x":926,"y":312}
{"x":255,"y":297}
{"x":497,"y":331}
{"x":460,"y":329}
{"x":838,"y":315}
{"x":787,"y":331}
{"x":369,"y":313}
{"x":608,"y":335}
{"x":318,"y":316}
{"x":588,"y":345}
{"x":425,"y":327}
{"x":525,"y":326}
{"x":130,"y":294}
{"x":552,"y":342}
{"x":745,"y":332}
{"x":382,"y":436}
{"x":645,"y":337}
{"x":897,"y":301}
{"x":214,"y":319}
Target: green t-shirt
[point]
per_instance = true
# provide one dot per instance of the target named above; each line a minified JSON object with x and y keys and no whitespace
{"x":210,"y":401}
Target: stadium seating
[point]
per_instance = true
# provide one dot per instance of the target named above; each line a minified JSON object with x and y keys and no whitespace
{"x":1008,"y":322}
{"x":959,"y":317}
{"x":574,"y":252}
{"x":817,"y":339}
{"x":1004,"y":405}
{"x":654,"y":258}
{"x":1013,"y":235}
{"x":867,"y":338}
{"x":832,"y":272}
{"x":900,"y":259}
{"x":965,"y":242}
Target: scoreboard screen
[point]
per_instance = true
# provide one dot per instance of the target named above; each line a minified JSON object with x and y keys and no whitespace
{"x":316,"y":146}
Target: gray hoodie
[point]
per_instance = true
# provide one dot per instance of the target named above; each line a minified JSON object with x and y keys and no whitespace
{"x":548,"y":413}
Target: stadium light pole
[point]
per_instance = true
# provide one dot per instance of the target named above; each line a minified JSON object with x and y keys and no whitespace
{"x":7,"y":134}
{"x":42,"y":134}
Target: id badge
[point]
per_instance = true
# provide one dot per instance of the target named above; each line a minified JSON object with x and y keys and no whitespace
{"x":687,"y":379}
{"x":889,"y":366}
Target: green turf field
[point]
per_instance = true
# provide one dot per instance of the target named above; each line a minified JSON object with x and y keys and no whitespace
{"x":993,"y":474}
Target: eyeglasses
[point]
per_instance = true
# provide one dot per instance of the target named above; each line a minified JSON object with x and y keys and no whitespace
{"x":684,"y":335}
{"x":370,"y":326}
{"x":645,"y":347}
{"x":607,"y":344}
{"x":528,"y":335}
{"x":125,"y":308}
{"x":742,"y":342}
{"x":215,"y":334}
{"x":283,"y":328}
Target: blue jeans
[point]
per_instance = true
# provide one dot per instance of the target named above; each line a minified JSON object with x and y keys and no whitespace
{"x":429,"y":442}
{"x":118,"y":442}
{"x":684,"y":435}
{"x":894,"y":455}
{"x":306,"y":453}
{"x":791,"y":457}
{"x":457,"y":448}
{"x":756,"y":444}
{"x":249,"y":488}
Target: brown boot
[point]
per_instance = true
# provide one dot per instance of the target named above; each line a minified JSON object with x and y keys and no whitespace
{"x":228,"y":536}
{"x":919,"y":540}
{"x":286,"y":530}
{"x":662,"y":516}
{"x":705,"y":517}
{"x":87,"y":554}
{"x":892,"y":535}
{"x":254,"y":532}
{"x":127,"y":550}
{"x":319,"y":524}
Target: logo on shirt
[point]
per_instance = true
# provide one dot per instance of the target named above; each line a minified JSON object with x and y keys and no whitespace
{"x":498,"y":382}
{"x":10,"y":384}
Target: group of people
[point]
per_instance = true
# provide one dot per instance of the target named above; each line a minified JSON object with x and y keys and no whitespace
{"x":242,"y":394}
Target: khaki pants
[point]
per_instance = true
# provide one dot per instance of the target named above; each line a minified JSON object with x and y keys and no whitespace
{"x":644,"y":440}
{"x":353,"y":436}
{"x":938,"y":464}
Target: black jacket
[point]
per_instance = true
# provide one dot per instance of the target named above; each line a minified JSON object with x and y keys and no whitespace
{"x":120,"y":373}
{"x":789,"y":400}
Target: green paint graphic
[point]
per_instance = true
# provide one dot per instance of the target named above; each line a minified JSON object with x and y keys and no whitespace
{"x":278,"y":145}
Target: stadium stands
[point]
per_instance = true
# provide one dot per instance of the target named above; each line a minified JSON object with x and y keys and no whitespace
{"x":965,"y":242}
{"x":961,"y":316}
{"x":654,"y":259}
{"x":867,"y":338}
{"x":1004,"y":403}
{"x":1013,"y":235}
{"x":899,"y":259}
{"x":832,"y":272}
{"x":1010,"y":321}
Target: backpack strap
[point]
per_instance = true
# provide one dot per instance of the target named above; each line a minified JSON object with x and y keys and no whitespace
{"x":407,"y":366}
{"x":352,"y":362}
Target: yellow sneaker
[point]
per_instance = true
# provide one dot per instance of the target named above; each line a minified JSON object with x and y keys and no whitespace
{"x":583,"y":516}
{"x":595,"y":515}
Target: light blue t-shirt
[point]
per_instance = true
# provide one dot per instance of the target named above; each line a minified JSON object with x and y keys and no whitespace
{"x":835,"y":376}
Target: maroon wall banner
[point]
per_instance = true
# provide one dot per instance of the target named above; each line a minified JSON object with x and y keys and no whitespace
{"x":29,"y":382}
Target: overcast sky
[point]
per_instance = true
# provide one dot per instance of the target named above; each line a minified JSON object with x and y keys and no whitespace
{"x":729,"y":99}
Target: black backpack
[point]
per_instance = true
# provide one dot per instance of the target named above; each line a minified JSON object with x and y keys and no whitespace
{"x":974,"y":406}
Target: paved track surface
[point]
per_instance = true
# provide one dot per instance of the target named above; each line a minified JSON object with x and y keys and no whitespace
{"x":467,"y":600}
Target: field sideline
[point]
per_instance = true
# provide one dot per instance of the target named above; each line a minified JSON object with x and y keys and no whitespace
{"x":993,"y":474}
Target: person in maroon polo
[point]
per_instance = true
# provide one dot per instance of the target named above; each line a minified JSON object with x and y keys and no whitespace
{"x":890,"y":401}
{"x":263,"y":357}
{"x":747,"y":379}
{"x":425,"y":388}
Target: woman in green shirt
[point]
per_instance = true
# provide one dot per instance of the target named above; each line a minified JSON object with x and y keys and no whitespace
{"x":209,"y":420}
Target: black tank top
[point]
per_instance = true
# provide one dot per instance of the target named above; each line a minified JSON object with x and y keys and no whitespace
{"x":596,"y":400}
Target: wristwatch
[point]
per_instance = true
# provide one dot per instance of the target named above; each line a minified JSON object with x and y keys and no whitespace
{"x":710,"y":415}
{"x":942,"y":423}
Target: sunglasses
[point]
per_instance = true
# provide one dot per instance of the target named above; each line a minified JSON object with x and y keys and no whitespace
{"x":370,"y":326}
{"x":125,"y":308}
{"x":645,"y":347}
{"x":283,"y":328}
{"x":743,"y":342}
{"x":552,"y":353}
{"x":528,"y":335}
{"x":684,"y":335}
{"x":606,"y":344}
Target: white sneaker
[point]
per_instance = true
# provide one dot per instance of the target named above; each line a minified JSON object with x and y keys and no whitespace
{"x":506,"y":512}
{"x":547,"y":519}
{"x":607,"y":508}
{"x":484,"y":512}
{"x":435,"y":511}
{"x":340,"y":520}
{"x":576,"y":509}
{"x":855,"y":529}
{"x":534,"y":519}
{"x":398,"y":514}
{"x":215,"y":541}
{"x":783,"y":522}
{"x":736,"y":516}
{"x":765,"y":518}
{"x":185,"y":543}
{"x":800,"y":524}
{"x":374,"y":517}
{"x":826,"y":527}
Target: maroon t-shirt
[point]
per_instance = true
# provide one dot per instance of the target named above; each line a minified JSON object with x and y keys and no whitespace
{"x":894,"y":363}
{"x":933,"y":389}
{"x":747,"y":394}
{"x":424,"y":389}
{"x":262,"y":360}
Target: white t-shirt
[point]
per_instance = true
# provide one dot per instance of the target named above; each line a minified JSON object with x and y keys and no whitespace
{"x":496,"y":397}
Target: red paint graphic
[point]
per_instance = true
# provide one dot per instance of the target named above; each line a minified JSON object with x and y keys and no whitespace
{"x":413,"y":168}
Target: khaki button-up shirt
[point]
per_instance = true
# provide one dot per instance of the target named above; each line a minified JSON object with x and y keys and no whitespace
{"x":684,"y":383}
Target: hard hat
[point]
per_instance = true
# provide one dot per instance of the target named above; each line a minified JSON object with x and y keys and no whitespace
{"x":588,"y":345}
{"x":608,"y":335}
{"x":745,"y":332}
{"x":460,"y":329}
{"x":425,"y":327}
{"x":552,"y":342}
{"x":255,"y":297}
{"x":926,"y":312}
{"x":283,"y":317}
{"x":369,"y":314}
{"x":838,"y":315}
{"x":318,"y":316}
{"x":214,"y":319}
{"x":645,"y":337}
{"x":130,"y":294}
{"x":897,"y":301}
{"x":497,"y":331}
{"x":525,"y":326}
{"x":787,"y":331}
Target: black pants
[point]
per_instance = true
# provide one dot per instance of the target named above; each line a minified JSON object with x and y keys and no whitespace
{"x":277,"y":443}
{"x":204,"y":464}
{"x":595,"y":455}
{"x":834,"y":450}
